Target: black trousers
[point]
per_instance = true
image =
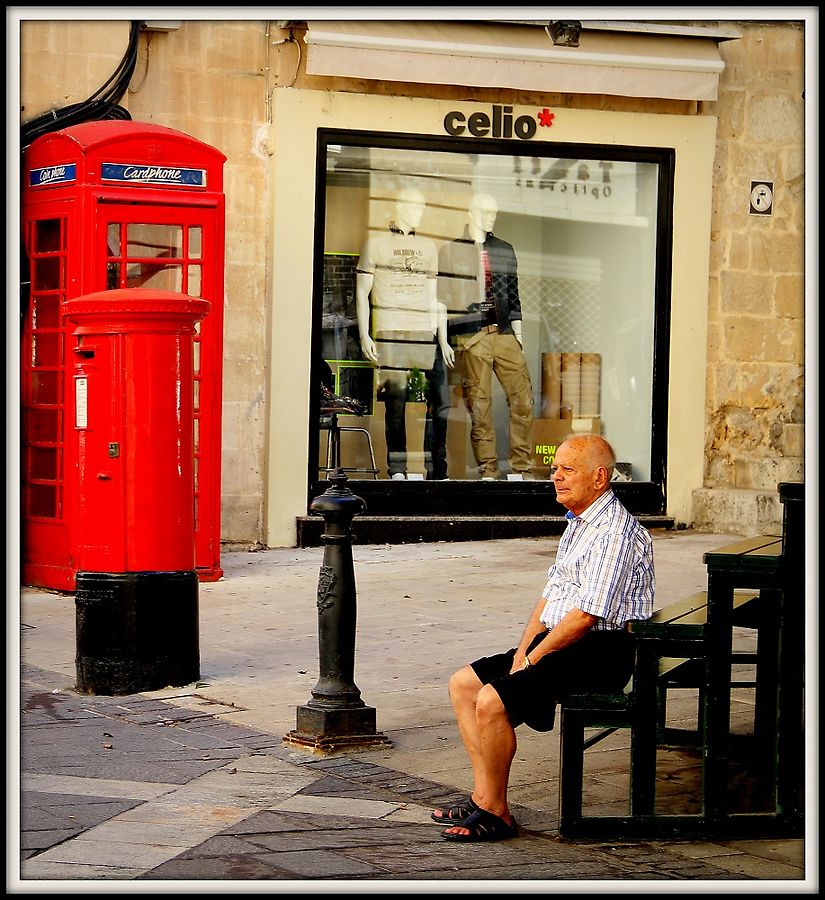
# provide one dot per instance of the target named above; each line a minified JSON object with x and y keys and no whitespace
{"x":601,"y":660}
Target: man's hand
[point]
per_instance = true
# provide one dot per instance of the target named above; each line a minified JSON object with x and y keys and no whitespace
{"x":573,"y":627}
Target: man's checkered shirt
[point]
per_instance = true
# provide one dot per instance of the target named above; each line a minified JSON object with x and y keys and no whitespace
{"x":604,"y":566}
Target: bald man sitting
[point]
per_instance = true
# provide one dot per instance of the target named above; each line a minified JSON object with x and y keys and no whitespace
{"x":602,"y":578}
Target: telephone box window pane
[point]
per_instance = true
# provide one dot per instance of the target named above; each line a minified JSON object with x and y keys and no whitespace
{"x":43,"y":501}
{"x":43,"y":425}
{"x":46,"y":312}
{"x":47,"y":236}
{"x":45,"y":387}
{"x":46,"y":273}
{"x":146,"y":241}
{"x":193,"y":284}
{"x":46,"y":349}
{"x":195,"y":242}
{"x":113,"y":238}
{"x":43,"y":463}
{"x":197,"y":357}
{"x":160,"y":277}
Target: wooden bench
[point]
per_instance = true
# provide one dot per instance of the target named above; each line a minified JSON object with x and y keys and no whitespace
{"x":670,"y":653}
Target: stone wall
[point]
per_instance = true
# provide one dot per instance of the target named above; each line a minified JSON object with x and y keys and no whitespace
{"x":756,"y":337}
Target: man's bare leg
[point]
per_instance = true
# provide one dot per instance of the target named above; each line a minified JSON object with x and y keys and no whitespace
{"x":464,"y":689}
{"x":489,"y":739}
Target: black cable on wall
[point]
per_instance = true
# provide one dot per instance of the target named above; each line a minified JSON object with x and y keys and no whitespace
{"x":102,"y":104}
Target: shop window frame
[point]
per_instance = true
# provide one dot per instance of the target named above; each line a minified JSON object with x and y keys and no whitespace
{"x":472,"y":497}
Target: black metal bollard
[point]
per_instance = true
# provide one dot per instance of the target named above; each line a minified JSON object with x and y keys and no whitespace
{"x":336,"y":718}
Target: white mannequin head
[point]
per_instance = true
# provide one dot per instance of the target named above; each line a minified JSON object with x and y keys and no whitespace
{"x":409,"y":209}
{"x":482,"y":215}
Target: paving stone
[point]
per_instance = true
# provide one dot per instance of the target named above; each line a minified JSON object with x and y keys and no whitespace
{"x":139,"y":769}
{"x":241,"y":867}
{"x":43,"y":838}
{"x":38,"y":869}
{"x":320,"y":864}
{"x":50,"y":811}
{"x":346,"y":806}
{"x":222,"y":845}
{"x":83,"y":851}
{"x":176,"y":810}
{"x":438,"y":861}
{"x":335,"y":839}
{"x":93,"y":787}
{"x":264,"y":763}
{"x":132,"y":833}
{"x":275,"y":821}
{"x":332,"y":786}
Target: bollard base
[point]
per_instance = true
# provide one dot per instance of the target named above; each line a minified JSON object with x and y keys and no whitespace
{"x":327,"y":745}
{"x":136,"y":631}
{"x":328,"y":729}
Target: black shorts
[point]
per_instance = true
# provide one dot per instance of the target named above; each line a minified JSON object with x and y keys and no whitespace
{"x":601,"y":660}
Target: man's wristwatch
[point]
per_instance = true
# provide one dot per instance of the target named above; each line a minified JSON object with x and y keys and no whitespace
{"x":526,"y":664}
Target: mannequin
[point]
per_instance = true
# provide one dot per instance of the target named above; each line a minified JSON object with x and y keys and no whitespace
{"x":478,"y":283}
{"x":400,"y":321}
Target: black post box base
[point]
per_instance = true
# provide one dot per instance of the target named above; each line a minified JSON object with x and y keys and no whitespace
{"x":136,"y":631}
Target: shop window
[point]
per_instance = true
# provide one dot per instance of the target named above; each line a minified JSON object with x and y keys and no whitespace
{"x":482,"y":306}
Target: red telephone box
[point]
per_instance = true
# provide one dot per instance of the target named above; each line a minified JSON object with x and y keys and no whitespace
{"x":111,"y":205}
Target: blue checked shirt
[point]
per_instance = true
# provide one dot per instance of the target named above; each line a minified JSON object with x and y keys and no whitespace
{"x":604,"y":566}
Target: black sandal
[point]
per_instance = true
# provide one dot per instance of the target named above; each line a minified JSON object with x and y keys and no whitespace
{"x":456,"y":815}
{"x":483,"y":826}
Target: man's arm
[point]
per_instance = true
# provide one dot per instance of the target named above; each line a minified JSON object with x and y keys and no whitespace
{"x":573,"y":627}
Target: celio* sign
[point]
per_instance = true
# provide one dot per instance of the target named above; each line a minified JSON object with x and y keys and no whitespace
{"x":500,"y":124}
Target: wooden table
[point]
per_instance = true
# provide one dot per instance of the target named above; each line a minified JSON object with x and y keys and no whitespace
{"x":758,"y":564}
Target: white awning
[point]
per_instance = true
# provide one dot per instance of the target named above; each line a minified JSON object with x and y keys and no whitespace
{"x":684,"y":65}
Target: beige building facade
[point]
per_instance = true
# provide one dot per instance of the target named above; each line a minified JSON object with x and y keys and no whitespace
{"x":260,"y":91}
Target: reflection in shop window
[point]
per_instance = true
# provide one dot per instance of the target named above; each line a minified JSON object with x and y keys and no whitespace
{"x":486,"y":306}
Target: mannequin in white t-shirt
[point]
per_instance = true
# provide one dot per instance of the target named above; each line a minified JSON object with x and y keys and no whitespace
{"x":400,"y":321}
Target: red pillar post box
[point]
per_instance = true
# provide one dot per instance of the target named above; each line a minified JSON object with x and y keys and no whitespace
{"x":133,"y":435}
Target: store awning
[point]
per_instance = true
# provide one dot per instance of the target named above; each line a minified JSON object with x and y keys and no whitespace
{"x":676,"y":64}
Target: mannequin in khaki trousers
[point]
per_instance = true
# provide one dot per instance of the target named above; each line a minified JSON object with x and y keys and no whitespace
{"x":478,"y":283}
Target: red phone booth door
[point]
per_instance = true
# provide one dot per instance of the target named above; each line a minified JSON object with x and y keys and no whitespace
{"x":176,"y":248}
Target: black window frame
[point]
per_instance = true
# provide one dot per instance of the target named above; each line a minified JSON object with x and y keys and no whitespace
{"x":394,"y":498}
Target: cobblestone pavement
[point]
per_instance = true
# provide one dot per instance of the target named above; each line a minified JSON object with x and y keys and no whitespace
{"x":148,"y":791}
